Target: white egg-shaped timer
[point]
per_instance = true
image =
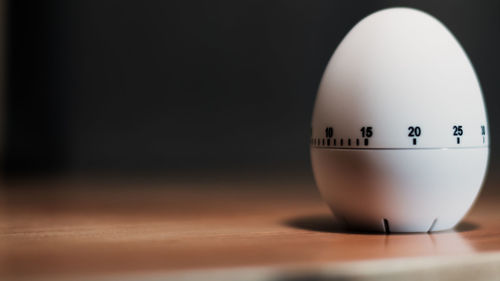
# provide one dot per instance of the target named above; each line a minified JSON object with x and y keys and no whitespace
{"x":399,"y":130}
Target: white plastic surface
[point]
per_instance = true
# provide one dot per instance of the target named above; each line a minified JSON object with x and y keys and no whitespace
{"x":398,"y":70}
{"x":409,"y":188}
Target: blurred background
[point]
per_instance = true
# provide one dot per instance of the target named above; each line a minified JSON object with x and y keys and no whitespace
{"x":158,"y":88}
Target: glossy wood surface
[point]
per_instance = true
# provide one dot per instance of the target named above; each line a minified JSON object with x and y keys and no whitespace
{"x":64,"y":229}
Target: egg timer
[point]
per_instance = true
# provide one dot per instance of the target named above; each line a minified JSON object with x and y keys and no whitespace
{"x":399,"y":131}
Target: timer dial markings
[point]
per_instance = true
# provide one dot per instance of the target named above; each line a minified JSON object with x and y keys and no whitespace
{"x":414,"y":132}
{"x":458,"y":132}
{"x":330,"y":139}
{"x":483,"y":132}
{"x":366,"y":132}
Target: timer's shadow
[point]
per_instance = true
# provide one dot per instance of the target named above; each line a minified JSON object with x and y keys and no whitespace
{"x":326,"y":223}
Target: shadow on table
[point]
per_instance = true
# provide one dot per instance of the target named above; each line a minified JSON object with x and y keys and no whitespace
{"x":326,"y":223}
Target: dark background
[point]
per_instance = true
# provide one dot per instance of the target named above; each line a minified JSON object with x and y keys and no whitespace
{"x":166,"y":87}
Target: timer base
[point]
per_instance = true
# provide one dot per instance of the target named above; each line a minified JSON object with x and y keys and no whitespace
{"x":429,"y":190}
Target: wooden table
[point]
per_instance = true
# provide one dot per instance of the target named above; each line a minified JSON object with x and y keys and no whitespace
{"x":235,"y":228}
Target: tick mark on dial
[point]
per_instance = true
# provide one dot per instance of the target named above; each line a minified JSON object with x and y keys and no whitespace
{"x":414,"y":141}
{"x":357,"y":142}
{"x":458,"y":140}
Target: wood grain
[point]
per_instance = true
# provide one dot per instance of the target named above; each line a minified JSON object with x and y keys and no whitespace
{"x":81,"y":228}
